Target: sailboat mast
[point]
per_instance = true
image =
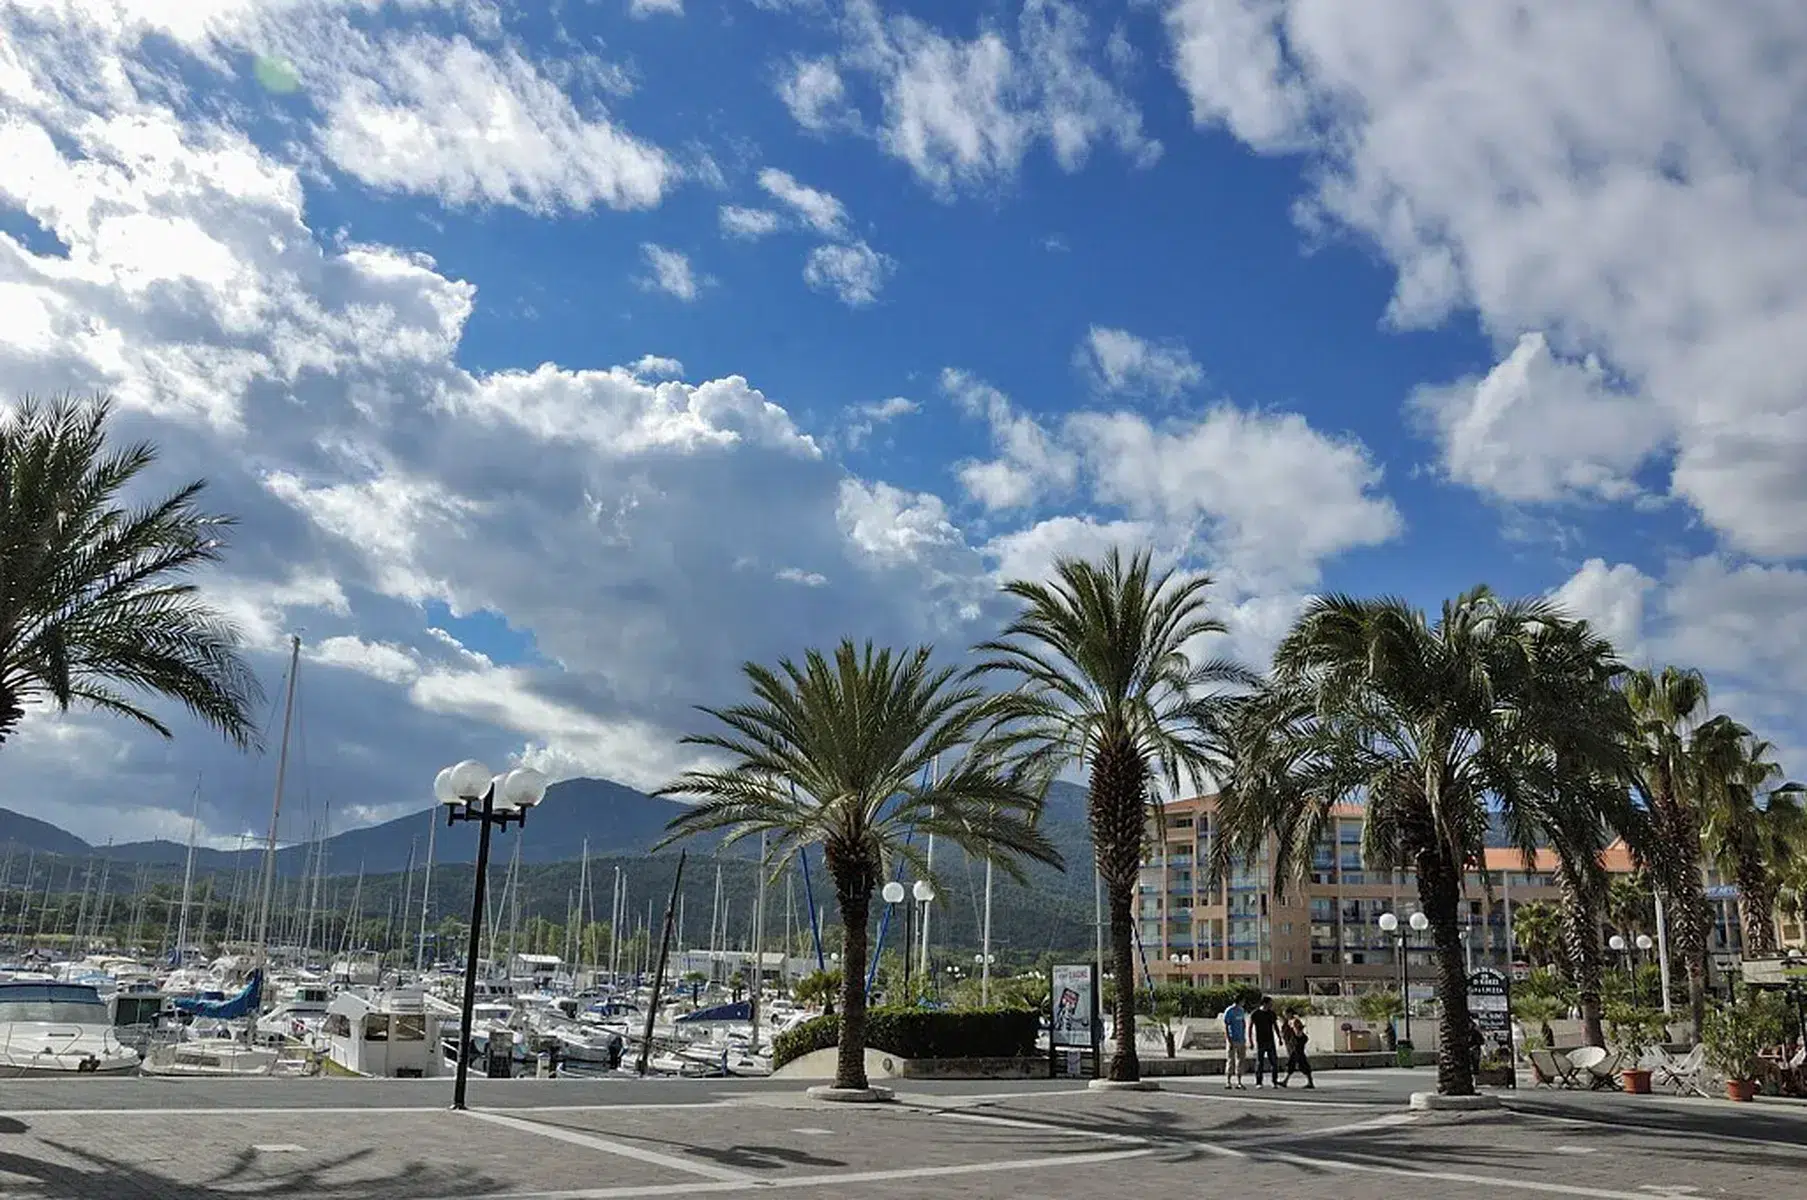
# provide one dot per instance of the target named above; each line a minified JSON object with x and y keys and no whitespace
{"x":282,"y":766}
{"x":426,"y":891}
{"x":615,"y":929}
{"x":758,"y":977}
{"x":715,"y":924}
{"x":188,"y":874}
{"x":313,"y":903}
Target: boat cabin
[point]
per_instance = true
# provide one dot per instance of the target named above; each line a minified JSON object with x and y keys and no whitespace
{"x":389,"y":1036}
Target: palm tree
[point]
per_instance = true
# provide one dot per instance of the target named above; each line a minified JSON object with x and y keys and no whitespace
{"x":838,"y":752}
{"x":1537,"y":928}
{"x":1433,"y":726}
{"x":1589,"y":729}
{"x":1668,"y":770}
{"x":1104,"y":681}
{"x":1628,"y":904}
{"x":1754,"y":822}
{"x":95,"y":607}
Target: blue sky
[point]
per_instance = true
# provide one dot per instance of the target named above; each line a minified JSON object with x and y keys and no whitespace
{"x":556,"y":364}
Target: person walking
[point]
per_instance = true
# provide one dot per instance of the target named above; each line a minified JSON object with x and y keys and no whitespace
{"x":1267,"y":1054}
{"x":1236,"y":1046}
{"x":1296,"y":1060}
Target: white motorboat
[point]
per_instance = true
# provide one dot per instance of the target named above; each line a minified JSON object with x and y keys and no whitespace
{"x":299,"y":1016}
{"x":392,"y":1035}
{"x":58,"y":1030}
{"x":210,"y":1057}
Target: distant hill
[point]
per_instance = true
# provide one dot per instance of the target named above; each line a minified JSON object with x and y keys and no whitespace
{"x":617,"y":821}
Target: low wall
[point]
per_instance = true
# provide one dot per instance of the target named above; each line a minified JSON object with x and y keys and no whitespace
{"x":880,"y":1064}
{"x":1194,"y":1064}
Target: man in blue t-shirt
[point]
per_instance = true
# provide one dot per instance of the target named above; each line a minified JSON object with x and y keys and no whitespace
{"x":1236,"y":1044}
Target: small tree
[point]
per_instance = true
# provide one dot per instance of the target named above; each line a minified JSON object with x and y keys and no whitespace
{"x":1381,"y":1007}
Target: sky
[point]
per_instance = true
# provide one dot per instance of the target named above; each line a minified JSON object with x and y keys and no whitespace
{"x":556,"y":359}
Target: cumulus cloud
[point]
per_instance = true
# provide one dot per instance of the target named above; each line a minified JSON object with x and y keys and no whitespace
{"x":651,"y":8}
{"x":862,"y":419}
{"x":815,"y":93}
{"x":1624,"y":179}
{"x":668,"y":271}
{"x":470,"y":126}
{"x":1264,"y":494}
{"x":749,"y":224}
{"x":1536,"y":428}
{"x":854,"y":273}
{"x":964,"y":111}
{"x":817,"y":209}
{"x":1121,"y":363}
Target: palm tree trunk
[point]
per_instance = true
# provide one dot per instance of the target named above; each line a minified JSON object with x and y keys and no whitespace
{"x":1118,"y":817}
{"x":853,"y":892}
{"x":1756,"y":907}
{"x":1439,"y":891}
{"x":1126,"y":1066}
{"x":1581,"y":937}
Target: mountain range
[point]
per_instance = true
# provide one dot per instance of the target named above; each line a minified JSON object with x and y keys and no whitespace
{"x":615,"y":820}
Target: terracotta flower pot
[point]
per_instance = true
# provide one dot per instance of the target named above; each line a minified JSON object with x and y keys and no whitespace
{"x":1741,"y":1090}
{"x":1636,"y":1081}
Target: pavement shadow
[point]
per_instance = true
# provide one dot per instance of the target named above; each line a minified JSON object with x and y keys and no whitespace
{"x":252,"y":1175}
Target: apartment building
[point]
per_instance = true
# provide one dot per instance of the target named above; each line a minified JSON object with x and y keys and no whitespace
{"x":1323,"y":937}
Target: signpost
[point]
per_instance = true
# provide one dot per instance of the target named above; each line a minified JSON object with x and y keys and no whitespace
{"x":1490,"y":1004}
{"x":1721,"y":891}
{"x":1073,"y":1026}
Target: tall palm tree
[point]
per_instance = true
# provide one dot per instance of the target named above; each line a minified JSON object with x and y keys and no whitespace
{"x":1104,"y":681}
{"x":1587,"y":731}
{"x":1668,"y":770}
{"x":1754,"y":822}
{"x":838,"y":752}
{"x":95,"y":605}
{"x":1537,"y":928}
{"x":1433,"y":726}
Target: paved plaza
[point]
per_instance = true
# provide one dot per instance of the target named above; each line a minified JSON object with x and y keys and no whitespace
{"x":1352,"y":1137}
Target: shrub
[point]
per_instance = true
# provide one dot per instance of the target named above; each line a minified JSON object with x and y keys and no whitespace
{"x":921,"y":1033}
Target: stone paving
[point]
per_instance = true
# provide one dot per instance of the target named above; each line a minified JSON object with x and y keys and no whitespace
{"x":1350,"y":1138}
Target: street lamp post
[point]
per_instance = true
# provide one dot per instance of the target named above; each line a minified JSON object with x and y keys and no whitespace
{"x":984,"y":963}
{"x":1418,"y":923}
{"x":921,"y":892}
{"x":470,"y":793}
{"x":1643,"y":944}
{"x":1181,"y":959}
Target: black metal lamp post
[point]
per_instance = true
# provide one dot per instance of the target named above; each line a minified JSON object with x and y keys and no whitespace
{"x":471,"y":793}
{"x":1389,"y":923}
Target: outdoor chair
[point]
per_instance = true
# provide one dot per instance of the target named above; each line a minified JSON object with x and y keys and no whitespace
{"x":1550,"y":1068}
{"x":1597,"y":1066}
{"x":1684,"y":1075}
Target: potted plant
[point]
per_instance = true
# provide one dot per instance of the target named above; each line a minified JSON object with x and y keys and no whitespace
{"x":1634,"y":1032}
{"x":1735,"y":1037}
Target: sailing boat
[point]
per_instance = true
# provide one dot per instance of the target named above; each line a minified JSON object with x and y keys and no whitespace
{"x":218,"y":1041}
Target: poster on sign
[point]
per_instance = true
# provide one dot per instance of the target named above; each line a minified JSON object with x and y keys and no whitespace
{"x":1490,"y":1005}
{"x":1073,"y":1018}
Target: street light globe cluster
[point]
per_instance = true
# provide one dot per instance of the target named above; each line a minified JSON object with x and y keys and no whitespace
{"x":470,"y":781}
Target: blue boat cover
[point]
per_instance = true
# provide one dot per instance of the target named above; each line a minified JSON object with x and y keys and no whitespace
{"x":741,"y":1011}
{"x":246,"y":1003}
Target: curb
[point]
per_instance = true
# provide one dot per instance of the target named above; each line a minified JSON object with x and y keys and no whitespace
{"x":865,"y":1095}
{"x":1133,"y":1085}
{"x":1437,"y":1102}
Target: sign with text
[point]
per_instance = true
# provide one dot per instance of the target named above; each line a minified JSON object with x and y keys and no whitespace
{"x":1074,"y":993}
{"x":1073,"y":1026}
{"x":1490,"y":1005}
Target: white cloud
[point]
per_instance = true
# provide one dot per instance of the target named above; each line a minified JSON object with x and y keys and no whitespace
{"x":1031,"y":465}
{"x":1537,"y":428}
{"x":1122,"y":363}
{"x":654,"y":366}
{"x":1266,"y":495}
{"x":891,"y":526}
{"x":817,"y":209}
{"x":447,"y":118}
{"x":670,"y":272}
{"x":798,"y":575}
{"x":854,"y":273}
{"x":813,"y":90}
{"x":1624,"y":178}
{"x":650,"y":8}
{"x":750,"y":224}
{"x":963,"y":112}
{"x":1612,"y":599}
{"x":864,"y":418}
{"x":381,"y":660}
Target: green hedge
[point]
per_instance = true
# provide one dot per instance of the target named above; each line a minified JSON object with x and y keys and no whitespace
{"x":921,"y":1033}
